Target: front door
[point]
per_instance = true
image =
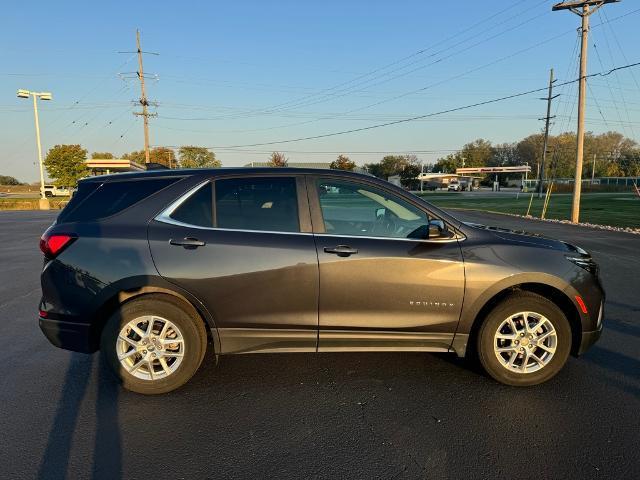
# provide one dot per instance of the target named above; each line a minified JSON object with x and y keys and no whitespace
{"x":385,"y":283}
{"x":249,"y":257}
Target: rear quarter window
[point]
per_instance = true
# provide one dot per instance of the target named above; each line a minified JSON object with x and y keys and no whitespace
{"x":94,"y":201}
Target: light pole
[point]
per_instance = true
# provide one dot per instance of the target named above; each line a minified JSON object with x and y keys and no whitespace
{"x":44,"y":201}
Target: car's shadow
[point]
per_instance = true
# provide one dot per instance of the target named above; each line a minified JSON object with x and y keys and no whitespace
{"x":264,"y":413}
{"x":107,"y":448}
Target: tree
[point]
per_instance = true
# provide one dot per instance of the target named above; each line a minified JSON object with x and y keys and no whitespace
{"x":343,"y":163}
{"x":7,"y":180}
{"x":374,"y":169}
{"x":197,"y":157}
{"x":393,"y":165}
{"x":410,"y":171}
{"x":406,"y":166}
{"x":66,"y":164}
{"x":277,"y":159}
{"x":102,"y":155}
{"x":630,"y":163}
{"x":505,"y":154}
{"x":478,"y":153}
{"x":529,"y":150}
{"x":137,"y":156}
{"x":448,"y":164}
{"x":162,"y":155}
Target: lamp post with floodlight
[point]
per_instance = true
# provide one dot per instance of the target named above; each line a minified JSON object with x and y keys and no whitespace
{"x":44,"y":201}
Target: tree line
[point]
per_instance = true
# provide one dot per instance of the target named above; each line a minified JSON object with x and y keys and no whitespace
{"x":615,"y":155}
{"x":66,"y":165}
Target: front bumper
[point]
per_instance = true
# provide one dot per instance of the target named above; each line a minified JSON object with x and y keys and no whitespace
{"x":73,"y":336}
{"x":588,"y":339}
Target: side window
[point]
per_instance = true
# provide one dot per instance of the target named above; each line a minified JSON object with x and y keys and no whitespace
{"x":268,"y":203}
{"x":355,"y":209}
{"x":197,"y":209}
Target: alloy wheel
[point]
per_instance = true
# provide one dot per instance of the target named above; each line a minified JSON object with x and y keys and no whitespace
{"x":525,"y":342}
{"x":150,"y":347}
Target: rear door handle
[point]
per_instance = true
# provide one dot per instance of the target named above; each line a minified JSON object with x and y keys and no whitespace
{"x":341,"y":250}
{"x":188,"y":242}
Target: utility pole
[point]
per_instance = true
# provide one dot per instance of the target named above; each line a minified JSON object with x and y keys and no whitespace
{"x":547,"y":119}
{"x":584,"y":10}
{"x":143,"y":100}
{"x":593,"y":169}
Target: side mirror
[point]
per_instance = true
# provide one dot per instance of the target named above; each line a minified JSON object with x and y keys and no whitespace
{"x":436,"y":228}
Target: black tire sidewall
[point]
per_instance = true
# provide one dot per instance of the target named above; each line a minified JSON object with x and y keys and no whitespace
{"x":520,"y":302}
{"x":192,"y":331}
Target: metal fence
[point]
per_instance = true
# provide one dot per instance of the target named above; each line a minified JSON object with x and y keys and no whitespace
{"x":619,"y":181}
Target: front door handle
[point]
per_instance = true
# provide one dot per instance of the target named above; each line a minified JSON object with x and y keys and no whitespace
{"x":188,"y":242}
{"x":341,"y":250}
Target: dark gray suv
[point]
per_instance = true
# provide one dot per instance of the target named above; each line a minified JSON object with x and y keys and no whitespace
{"x":153,"y":268}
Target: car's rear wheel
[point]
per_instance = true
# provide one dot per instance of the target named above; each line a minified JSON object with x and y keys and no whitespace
{"x":153,"y":344}
{"x":525,"y":340}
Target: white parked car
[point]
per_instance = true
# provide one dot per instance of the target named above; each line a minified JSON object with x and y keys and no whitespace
{"x":454,"y":186}
{"x":53,"y":191}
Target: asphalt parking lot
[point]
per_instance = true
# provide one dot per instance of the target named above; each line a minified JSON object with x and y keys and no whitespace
{"x":404,"y":415}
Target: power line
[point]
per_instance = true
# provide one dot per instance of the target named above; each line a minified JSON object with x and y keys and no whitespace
{"x":413,"y":92}
{"x":422,"y":89}
{"x":476,"y":42}
{"x":455,"y":77}
{"x":55,"y":123}
{"x":613,"y":98}
{"x":595,"y":100}
{"x":341,"y":93}
{"x":296,"y":102}
{"x":622,"y":52}
{"x":572,"y":71}
{"x":433,"y":114}
{"x":617,"y":77}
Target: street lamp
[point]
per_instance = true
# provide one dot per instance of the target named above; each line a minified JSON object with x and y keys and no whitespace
{"x":44,"y":201}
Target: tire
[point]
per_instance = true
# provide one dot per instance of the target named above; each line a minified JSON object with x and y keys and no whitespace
{"x":503,"y":358}
{"x":181,"y":358}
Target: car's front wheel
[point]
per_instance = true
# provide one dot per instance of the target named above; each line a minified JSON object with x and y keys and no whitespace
{"x":153,"y":345}
{"x":525,"y":340}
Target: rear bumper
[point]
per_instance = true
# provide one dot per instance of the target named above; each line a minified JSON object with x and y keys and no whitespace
{"x":73,"y":336}
{"x":588,"y":339}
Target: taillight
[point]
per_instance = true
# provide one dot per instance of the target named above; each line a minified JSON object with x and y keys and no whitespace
{"x":53,"y":245}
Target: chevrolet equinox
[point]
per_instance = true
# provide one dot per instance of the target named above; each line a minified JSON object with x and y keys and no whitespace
{"x":154,"y":268}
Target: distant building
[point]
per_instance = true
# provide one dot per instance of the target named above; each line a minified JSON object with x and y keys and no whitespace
{"x":293,"y":164}
{"x":105,"y":166}
{"x":395,"y":179}
{"x":321,"y":165}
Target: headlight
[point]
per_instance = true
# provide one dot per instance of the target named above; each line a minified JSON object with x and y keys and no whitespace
{"x":585,"y":262}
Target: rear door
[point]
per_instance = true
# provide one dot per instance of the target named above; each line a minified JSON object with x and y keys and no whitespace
{"x":384,"y":283}
{"x":244,"y":247}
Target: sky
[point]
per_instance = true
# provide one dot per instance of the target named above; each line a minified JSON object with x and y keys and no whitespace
{"x":234,"y":75}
